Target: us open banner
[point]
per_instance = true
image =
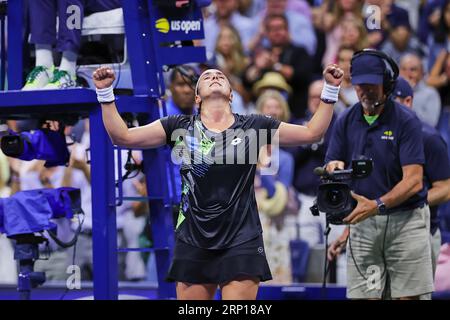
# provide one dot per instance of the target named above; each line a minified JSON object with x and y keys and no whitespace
{"x":177,"y":27}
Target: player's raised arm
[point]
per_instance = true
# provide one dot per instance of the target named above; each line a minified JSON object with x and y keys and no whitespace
{"x":148,"y":136}
{"x":291,"y":134}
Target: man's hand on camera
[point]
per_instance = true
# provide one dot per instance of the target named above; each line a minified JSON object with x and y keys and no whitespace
{"x":335,"y":165}
{"x":364,"y":209}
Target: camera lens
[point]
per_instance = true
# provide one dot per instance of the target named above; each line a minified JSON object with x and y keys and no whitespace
{"x":334,"y":198}
{"x":12,"y":146}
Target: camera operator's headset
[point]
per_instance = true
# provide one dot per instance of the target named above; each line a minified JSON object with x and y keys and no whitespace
{"x":391,"y":72}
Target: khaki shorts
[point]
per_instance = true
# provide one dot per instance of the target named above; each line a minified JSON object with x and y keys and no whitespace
{"x":390,"y":256}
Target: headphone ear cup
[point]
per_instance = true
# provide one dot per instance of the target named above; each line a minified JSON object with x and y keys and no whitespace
{"x":386,"y":82}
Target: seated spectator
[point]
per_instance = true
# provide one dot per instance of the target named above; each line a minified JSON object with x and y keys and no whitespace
{"x":274,"y":81}
{"x":43,"y":15}
{"x":231,"y":59}
{"x":354,"y":34}
{"x":429,"y":16}
{"x":412,"y":7}
{"x":274,"y":104}
{"x":225,"y":12}
{"x":317,"y":13}
{"x":337,"y":12}
{"x":441,"y":35}
{"x":298,"y":14}
{"x":181,"y":98}
{"x":390,"y":15}
{"x":347,"y":94}
{"x":439,"y":77}
{"x":282,"y":56}
{"x":427,"y":102}
{"x":401,"y":41}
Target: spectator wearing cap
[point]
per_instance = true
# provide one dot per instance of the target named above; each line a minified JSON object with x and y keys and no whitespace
{"x":436,"y":168}
{"x":272,"y":80}
{"x":391,"y":219}
{"x":401,"y":40}
{"x":427,"y":103}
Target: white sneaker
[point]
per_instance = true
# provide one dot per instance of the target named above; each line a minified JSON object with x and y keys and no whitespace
{"x":38,"y":78}
{"x":61,"y":80}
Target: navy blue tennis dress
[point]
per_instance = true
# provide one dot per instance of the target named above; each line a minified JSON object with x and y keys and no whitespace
{"x":218,"y":231}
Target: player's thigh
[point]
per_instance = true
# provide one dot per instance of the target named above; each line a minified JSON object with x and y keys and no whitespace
{"x":242,"y":288}
{"x":189,"y":291}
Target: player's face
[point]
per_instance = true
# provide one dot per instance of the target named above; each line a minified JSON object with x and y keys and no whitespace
{"x":213,"y":83}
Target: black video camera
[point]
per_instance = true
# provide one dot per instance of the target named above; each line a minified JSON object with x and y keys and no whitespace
{"x":42,"y":144}
{"x":334,"y":196}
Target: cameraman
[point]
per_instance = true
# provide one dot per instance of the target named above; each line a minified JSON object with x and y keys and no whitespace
{"x":389,"y":247}
{"x":436,"y":176}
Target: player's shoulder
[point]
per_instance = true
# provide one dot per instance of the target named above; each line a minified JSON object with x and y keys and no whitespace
{"x":180,"y":120}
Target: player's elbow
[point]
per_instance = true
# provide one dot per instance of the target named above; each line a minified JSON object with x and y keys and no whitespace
{"x":122,"y":140}
{"x":316,"y":136}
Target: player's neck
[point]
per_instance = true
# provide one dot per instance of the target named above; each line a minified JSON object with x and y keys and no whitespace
{"x":217,"y":119}
{"x":215,"y":111}
{"x":215,"y":115}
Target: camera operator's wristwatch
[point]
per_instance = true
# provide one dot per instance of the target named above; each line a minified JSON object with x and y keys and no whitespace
{"x":381,"y":206}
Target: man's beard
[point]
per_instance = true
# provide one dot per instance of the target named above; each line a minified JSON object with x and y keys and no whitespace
{"x":369,"y":107}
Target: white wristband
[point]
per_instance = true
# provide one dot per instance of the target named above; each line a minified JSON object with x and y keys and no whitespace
{"x":105,"y":95}
{"x":330,"y":94}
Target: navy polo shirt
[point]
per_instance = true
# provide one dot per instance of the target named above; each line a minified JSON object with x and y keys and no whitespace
{"x":437,"y":165}
{"x":392,"y":141}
